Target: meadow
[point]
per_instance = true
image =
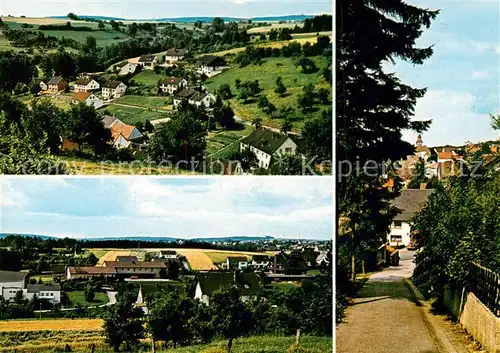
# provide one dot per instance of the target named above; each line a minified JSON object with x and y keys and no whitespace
{"x":78,"y":297}
{"x":154,"y":102}
{"x":133,"y":115}
{"x":267,"y":72}
{"x":147,"y":78}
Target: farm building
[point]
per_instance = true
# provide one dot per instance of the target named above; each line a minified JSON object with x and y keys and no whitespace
{"x":57,"y":83}
{"x":209,"y":282}
{"x":236,"y":262}
{"x":11,"y":282}
{"x":266,"y":144}
{"x":88,"y":98}
{"x":149,"y":269}
{"x":89,"y":272}
{"x":148,"y":61}
{"x":192,"y":97}
{"x":260,"y":262}
{"x":211,"y":65}
{"x":124,"y":258}
{"x":171,"y":85}
{"x":84,"y":84}
{"x":48,"y":292}
{"x":113,"y":89}
{"x":173,"y":55}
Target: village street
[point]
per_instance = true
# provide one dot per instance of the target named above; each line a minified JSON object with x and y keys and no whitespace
{"x":387,"y":317}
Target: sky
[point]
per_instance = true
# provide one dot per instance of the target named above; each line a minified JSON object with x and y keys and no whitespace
{"x":282,"y":207}
{"x":463,"y":75}
{"x":165,"y":8}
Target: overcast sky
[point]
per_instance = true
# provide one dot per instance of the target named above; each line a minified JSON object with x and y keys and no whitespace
{"x":463,"y":75}
{"x":290,"y":207}
{"x":165,"y":8}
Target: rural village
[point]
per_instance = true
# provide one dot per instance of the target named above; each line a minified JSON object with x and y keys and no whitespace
{"x":255,"y":106}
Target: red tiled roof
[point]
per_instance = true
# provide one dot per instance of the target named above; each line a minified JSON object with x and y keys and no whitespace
{"x":141,"y":264}
{"x":91,"y":270}
{"x":81,"y":96}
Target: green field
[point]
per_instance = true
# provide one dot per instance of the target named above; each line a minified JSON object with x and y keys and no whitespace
{"x":147,"y":77}
{"x":146,"y":101}
{"x":267,"y":73}
{"x":132,"y":115}
{"x":78,"y":297}
{"x":216,"y":141}
{"x":103,"y":38}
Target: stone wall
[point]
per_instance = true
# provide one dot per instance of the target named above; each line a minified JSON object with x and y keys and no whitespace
{"x":481,"y":324}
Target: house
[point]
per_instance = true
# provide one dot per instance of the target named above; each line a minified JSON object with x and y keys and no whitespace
{"x":192,"y":97}
{"x":172,"y":84}
{"x":148,"y":61}
{"x":323,"y":259}
{"x":236,"y":262}
{"x":148,"y":269}
{"x":85,"y":84}
{"x":113,"y":89}
{"x":48,"y":292}
{"x":167,"y":254}
{"x":43,"y":86}
{"x":57,"y":83}
{"x":410,"y":201}
{"x":90,"y":272}
{"x":125,"y":136}
{"x":209,"y":282}
{"x":173,"y":55}
{"x":88,"y":98}
{"x":266,"y":144}
{"x":11,"y":282}
{"x":128,"y":68}
{"x":260,"y":262}
{"x":211,"y":65}
{"x":289,"y":264}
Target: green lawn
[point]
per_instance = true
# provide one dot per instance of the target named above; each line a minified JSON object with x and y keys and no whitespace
{"x":131,"y":115}
{"x":78,"y":297}
{"x":267,"y":73}
{"x":147,"y":77}
{"x":147,"y":101}
{"x":216,"y":141}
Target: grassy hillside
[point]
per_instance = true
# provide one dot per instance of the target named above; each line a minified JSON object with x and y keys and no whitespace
{"x":217,"y":141}
{"x":103,"y":38}
{"x":133,"y":115}
{"x":267,"y":73}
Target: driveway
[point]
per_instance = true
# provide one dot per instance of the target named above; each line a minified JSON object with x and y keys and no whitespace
{"x":386,"y":317}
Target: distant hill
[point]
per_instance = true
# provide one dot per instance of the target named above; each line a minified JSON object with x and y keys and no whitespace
{"x":156,"y":239}
{"x":194,"y":19}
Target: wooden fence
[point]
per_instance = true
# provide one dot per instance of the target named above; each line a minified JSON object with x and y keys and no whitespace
{"x":485,"y":284}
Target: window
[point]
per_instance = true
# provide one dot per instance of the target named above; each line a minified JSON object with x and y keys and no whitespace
{"x":246,"y":286}
{"x":396,"y":238}
{"x":288,"y":150}
{"x":398,"y":224}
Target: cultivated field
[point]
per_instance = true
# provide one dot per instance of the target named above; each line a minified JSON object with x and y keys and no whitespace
{"x":267,"y":73}
{"x":146,"y":101}
{"x":55,"y":325}
{"x":220,"y":142}
{"x":198,"y":259}
{"x":147,"y":77}
{"x":132,"y":115}
{"x":266,"y":29}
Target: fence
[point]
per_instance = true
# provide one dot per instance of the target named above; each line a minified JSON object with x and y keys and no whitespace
{"x":485,"y":284}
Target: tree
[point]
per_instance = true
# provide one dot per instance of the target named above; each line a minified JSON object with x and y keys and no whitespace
{"x":114,"y":25}
{"x":495,"y":121}
{"x":225,"y":91}
{"x":257,"y":122}
{"x":182,"y":138}
{"x":306,"y":99}
{"x":15,"y":68}
{"x":418,"y":175}
{"x":132,"y":29}
{"x":45,"y":119}
{"x":72,"y":16}
{"x":218,"y":24}
{"x":263,"y":102}
{"x":89,"y":292}
{"x":280,"y":87}
{"x":370,"y":129}
{"x":224,"y":116}
{"x":170,"y":317}
{"x":101,"y":26}
{"x":123,"y":325}
{"x":232,"y":318}
{"x":198,"y":24}
{"x":287,"y":126}
{"x":323,"y":95}
{"x":308,"y":66}
{"x":317,"y":135}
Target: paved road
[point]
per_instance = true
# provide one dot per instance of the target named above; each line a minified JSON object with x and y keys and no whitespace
{"x":386,"y":317}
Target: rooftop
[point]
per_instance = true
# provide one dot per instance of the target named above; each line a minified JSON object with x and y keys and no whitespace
{"x":247,"y":283}
{"x":265,"y":140}
{"x":410,"y":202}
{"x":11,"y":276}
{"x":35,"y":288}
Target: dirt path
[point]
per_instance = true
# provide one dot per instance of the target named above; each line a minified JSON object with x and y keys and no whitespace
{"x":387,"y":317}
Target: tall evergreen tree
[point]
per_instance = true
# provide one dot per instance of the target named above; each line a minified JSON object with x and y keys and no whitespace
{"x":373,"y":108}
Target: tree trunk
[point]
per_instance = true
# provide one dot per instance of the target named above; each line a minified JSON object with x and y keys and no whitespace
{"x":153,"y":345}
{"x":363,"y":266}
{"x":297,"y":337}
{"x":353,"y":267}
{"x":229,"y":345}
{"x":92,"y":348}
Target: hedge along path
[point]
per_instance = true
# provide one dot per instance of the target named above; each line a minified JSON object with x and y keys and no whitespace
{"x":52,"y":325}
